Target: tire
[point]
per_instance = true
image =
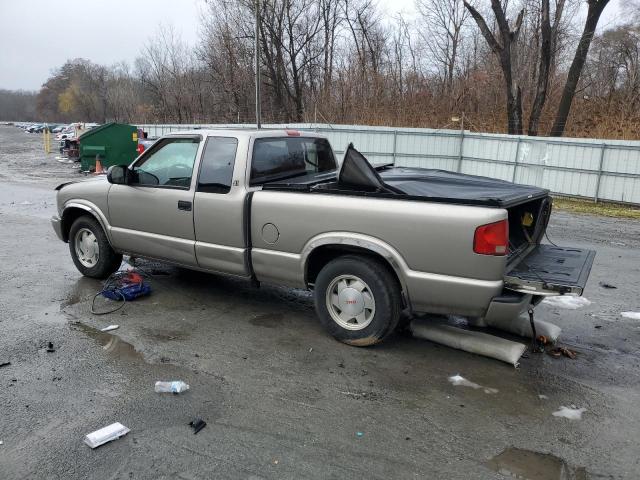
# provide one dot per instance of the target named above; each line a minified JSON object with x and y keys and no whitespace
{"x":90,"y":249}
{"x":372,"y":298}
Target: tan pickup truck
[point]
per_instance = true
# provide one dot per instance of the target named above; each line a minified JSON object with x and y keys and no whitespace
{"x":276,"y":206}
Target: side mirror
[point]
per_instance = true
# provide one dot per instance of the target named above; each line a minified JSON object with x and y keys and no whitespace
{"x":118,"y":174}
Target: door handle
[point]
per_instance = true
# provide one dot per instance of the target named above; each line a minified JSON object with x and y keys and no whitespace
{"x":184,"y":205}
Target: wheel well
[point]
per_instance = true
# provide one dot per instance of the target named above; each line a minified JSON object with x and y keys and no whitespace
{"x":324,"y":254}
{"x":69,"y":216}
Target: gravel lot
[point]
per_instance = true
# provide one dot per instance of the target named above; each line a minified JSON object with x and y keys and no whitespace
{"x":281,"y":398}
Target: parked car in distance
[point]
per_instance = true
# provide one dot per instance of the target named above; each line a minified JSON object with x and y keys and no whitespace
{"x":275,"y":206}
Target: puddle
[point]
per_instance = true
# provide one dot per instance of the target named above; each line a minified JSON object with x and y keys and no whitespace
{"x":530,"y":465}
{"x":268,"y":320}
{"x":112,"y":344}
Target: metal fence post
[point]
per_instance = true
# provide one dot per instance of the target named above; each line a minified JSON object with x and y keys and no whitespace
{"x":515,"y":161}
{"x":395,"y":139}
{"x":459,"y":167}
{"x":604,"y":147}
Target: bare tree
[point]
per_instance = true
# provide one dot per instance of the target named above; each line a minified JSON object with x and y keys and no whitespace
{"x":443,"y":35}
{"x":506,"y":53}
{"x":596,"y":7}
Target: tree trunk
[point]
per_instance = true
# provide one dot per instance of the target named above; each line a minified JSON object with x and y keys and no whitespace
{"x":593,"y":15}
{"x":543,"y":70}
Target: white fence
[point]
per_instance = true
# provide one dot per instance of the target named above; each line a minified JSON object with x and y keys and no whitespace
{"x":597,"y":169}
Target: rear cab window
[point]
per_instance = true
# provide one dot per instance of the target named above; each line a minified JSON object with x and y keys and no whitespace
{"x":279,"y":158}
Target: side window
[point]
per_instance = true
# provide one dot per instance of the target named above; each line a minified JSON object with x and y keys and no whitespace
{"x":169,"y":165}
{"x":216,"y":166}
{"x":278,"y":158}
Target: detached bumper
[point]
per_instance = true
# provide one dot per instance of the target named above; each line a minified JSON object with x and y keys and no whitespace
{"x":56,"y":223}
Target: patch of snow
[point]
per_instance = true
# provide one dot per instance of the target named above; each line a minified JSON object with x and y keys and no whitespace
{"x":571,"y":413}
{"x":631,"y":315}
{"x":543,"y":397}
{"x":567,"y":301}
{"x":459,"y":381}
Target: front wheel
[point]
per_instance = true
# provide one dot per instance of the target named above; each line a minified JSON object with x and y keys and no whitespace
{"x":90,"y":249}
{"x":357,"y":300}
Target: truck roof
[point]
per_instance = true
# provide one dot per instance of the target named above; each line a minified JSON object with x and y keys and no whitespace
{"x":249,"y":132}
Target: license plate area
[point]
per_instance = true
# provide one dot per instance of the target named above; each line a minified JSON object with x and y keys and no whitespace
{"x":549,"y":270}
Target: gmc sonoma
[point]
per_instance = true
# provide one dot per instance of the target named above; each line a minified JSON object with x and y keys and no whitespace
{"x":275,"y":206}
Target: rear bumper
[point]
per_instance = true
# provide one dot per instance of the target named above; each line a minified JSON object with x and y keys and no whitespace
{"x":56,"y":223}
{"x":508,"y":306}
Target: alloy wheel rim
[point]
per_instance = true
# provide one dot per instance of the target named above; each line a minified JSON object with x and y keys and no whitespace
{"x":350,"y":302}
{"x":87,"y":249}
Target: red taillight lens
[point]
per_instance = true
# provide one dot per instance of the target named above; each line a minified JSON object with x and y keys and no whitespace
{"x":292,"y":133}
{"x":140,"y":149}
{"x":492,"y":239}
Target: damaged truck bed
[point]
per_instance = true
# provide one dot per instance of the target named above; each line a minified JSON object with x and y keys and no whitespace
{"x":275,"y":206}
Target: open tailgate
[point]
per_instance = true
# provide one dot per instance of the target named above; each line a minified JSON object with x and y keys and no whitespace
{"x":549,"y":270}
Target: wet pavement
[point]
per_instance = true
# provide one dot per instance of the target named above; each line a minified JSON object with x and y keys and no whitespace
{"x":281,"y":399}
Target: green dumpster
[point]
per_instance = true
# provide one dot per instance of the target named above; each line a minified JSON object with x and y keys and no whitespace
{"x":116,"y":143}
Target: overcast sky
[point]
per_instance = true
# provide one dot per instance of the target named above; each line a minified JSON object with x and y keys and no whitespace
{"x":37,"y":36}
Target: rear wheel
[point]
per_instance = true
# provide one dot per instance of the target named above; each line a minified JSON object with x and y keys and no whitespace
{"x":357,"y":300}
{"x":90,"y":249}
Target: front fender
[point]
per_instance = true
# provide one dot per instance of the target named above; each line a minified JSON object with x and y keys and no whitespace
{"x":91,"y":208}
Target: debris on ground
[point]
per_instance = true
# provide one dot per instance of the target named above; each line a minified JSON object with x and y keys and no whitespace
{"x":459,"y":381}
{"x":567,"y":301}
{"x":468,"y":340}
{"x":543,"y":397}
{"x":175,"y":386}
{"x":197,"y":424}
{"x":607,"y":285}
{"x":50,"y":348}
{"x":109,"y":328}
{"x":521,"y":326}
{"x":122,"y":286}
{"x":4,"y":364}
{"x":572,"y":413}
{"x":631,"y":315}
{"x":106,"y":434}
{"x":558,"y":352}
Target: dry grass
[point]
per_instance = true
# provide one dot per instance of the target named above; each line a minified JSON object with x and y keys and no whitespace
{"x":606,"y":209}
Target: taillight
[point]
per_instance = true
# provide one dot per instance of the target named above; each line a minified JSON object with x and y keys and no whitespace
{"x":492,"y":239}
{"x":140,"y":149}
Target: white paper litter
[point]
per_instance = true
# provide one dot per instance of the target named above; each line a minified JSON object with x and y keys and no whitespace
{"x":571,"y":413}
{"x":542,"y":397}
{"x":106,"y":434}
{"x":631,"y":315}
{"x":567,"y":301}
{"x":109,"y":328}
{"x":459,"y":381}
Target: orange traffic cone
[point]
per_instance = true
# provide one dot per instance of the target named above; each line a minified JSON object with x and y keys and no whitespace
{"x":99,"y":168}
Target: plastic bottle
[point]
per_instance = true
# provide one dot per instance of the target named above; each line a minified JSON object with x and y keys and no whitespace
{"x":176,"y":386}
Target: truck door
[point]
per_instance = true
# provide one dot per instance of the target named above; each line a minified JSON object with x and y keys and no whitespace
{"x":219,"y":208}
{"x":153,"y":215}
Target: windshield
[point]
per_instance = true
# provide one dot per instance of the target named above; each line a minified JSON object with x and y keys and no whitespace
{"x":277,"y":158}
